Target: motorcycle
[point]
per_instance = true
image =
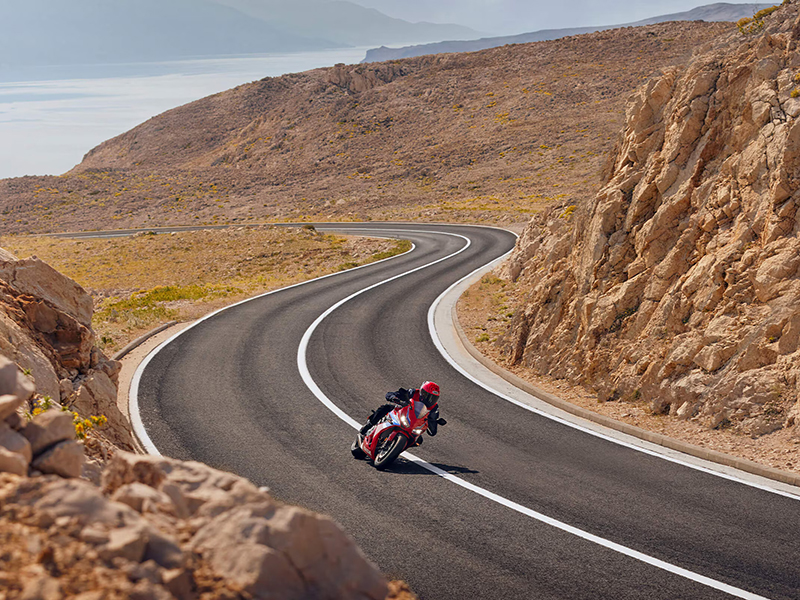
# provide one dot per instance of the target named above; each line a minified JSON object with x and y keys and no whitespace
{"x":401,"y":428}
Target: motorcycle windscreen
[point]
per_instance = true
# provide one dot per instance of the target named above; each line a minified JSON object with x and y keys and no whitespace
{"x":420,"y":410}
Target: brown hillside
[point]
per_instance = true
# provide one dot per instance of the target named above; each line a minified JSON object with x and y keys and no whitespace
{"x":677,"y":286}
{"x":493,"y":135}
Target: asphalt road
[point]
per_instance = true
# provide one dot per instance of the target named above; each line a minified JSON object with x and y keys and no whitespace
{"x":228,"y":392}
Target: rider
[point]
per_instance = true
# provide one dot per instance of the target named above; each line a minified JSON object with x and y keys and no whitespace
{"x":428,"y":393}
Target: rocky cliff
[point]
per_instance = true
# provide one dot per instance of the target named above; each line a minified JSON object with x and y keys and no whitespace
{"x":678,"y":284}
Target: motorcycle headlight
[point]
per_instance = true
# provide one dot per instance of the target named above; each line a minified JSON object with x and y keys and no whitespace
{"x":419,"y":430}
{"x":404,"y":420}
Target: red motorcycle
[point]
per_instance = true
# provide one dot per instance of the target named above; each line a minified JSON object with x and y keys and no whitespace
{"x":401,"y":428}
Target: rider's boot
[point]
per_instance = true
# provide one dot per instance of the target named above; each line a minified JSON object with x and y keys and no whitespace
{"x":367,"y":426}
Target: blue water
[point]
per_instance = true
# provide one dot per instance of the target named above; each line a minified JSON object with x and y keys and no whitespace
{"x":50,"y":117}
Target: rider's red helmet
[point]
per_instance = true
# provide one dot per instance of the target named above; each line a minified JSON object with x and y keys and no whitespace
{"x":429,"y":393}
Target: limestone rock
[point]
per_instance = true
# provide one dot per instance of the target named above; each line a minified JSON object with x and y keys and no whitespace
{"x":97,"y":395}
{"x":12,"y":462}
{"x":38,"y":279}
{"x":9,"y":405}
{"x":49,"y":428}
{"x":65,"y":459}
{"x":142,"y":498}
{"x":287,"y":552}
{"x":128,"y":543}
{"x":13,"y":382}
{"x":14,"y":442}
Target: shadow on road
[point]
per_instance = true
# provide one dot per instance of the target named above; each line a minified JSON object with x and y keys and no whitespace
{"x":405,"y":467}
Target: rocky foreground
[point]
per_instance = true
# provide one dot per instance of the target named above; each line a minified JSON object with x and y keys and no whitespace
{"x":82,"y":517}
{"x":677,"y":285}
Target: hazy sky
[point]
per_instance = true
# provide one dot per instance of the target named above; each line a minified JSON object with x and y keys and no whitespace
{"x":518,"y":16}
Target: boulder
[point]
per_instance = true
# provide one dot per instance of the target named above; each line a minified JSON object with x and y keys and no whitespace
{"x":142,"y":498}
{"x":49,"y":428}
{"x":14,"y":383}
{"x":38,"y":279}
{"x":65,"y":459}
{"x":126,"y":542}
{"x":12,"y":462}
{"x":287,"y":552}
{"x":9,"y":405}
{"x":15,"y":442}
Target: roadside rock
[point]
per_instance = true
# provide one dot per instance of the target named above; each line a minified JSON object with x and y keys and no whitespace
{"x":36,"y":278}
{"x":65,"y":459}
{"x":12,"y":462}
{"x":49,"y":428}
{"x":97,"y":395}
{"x":12,"y":383}
{"x":228,"y":532}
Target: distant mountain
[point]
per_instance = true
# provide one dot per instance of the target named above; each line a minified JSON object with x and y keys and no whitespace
{"x":54,"y":32}
{"x":345,"y":22}
{"x":720,"y":11}
{"x":91,"y":32}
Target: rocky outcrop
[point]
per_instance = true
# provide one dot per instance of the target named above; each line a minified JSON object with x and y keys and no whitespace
{"x":44,"y":444}
{"x":46,"y":328}
{"x":162,"y":528}
{"x":678,"y":285}
{"x":360,"y":78}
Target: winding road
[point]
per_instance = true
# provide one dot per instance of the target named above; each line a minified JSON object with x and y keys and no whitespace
{"x":504,"y":502}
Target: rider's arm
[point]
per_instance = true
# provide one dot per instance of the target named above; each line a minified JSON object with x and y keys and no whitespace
{"x":399,"y":397}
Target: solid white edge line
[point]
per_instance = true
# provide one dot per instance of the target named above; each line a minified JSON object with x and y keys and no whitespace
{"x":133,"y":391}
{"x":302,"y":366}
{"x":599,"y":434}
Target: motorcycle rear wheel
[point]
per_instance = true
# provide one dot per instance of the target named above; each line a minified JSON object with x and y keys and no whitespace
{"x":388,"y":452}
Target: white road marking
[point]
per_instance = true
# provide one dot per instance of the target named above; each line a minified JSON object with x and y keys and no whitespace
{"x":141,"y":431}
{"x":302,"y":366}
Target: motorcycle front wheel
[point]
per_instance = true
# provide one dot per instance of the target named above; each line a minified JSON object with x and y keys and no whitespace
{"x":355,"y":449}
{"x":389,"y":451}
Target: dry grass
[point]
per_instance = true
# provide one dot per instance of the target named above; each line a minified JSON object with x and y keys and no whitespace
{"x":141,"y":281}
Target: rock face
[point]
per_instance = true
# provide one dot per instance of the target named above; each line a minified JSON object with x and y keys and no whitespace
{"x":678,"y":284}
{"x":162,"y":528}
{"x":46,"y":328}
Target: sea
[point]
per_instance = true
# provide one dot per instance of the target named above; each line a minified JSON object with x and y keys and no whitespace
{"x":50,"y":117}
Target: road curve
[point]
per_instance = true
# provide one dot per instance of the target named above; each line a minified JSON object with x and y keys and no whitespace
{"x":228,"y":392}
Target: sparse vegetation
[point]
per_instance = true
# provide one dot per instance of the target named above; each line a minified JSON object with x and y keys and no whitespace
{"x":141,"y":281}
{"x":754,"y":24}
